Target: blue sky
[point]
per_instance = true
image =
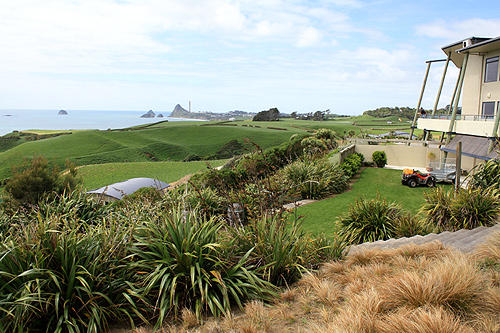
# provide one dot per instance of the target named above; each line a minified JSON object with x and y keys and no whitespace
{"x":344,"y":55}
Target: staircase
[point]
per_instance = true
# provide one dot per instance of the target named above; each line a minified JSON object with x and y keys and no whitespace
{"x":462,"y":240}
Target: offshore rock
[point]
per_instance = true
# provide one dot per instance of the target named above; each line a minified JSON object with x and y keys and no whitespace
{"x":150,"y":114}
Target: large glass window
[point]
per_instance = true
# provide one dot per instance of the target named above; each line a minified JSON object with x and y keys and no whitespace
{"x":488,"y":111}
{"x":491,"y":70}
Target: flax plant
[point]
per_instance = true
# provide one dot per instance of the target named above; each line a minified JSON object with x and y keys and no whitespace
{"x":59,"y":276}
{"x":179,"y":265}
{"x":283,"y":253}
{"x":370,"y":220}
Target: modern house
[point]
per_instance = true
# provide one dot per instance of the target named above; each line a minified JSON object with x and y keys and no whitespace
{"x":476,"y":124}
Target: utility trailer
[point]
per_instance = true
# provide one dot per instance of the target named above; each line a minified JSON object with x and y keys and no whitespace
{"x":443,"y":171}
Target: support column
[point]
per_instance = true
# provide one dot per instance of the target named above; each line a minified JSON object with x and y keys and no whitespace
{"x":426,"y":137}
{"x":457,"y":98}
{"x":452,"y":100}
{"x":494,"y":132}
{"x":442,"y":82}
{"x":458,"y":166}
{"x":419,"y":102}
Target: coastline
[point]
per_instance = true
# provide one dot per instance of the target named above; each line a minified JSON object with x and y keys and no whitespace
{"x":48,"y":120}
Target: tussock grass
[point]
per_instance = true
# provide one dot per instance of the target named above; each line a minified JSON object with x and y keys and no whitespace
{"x":426,"y":288}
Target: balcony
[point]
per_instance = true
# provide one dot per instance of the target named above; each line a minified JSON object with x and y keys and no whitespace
{"x":465,"y":124}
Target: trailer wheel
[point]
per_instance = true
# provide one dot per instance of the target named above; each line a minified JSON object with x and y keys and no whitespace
{"x":412,"y":183}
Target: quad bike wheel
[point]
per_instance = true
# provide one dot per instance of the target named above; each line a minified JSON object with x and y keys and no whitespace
{"x":412,"y":183}
{"x":431,"y":182}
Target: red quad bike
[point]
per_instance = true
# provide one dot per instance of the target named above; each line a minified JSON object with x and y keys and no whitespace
{"x":413,"y":178}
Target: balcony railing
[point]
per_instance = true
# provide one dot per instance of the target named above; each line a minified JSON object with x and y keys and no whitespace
{"x":470,"y":117}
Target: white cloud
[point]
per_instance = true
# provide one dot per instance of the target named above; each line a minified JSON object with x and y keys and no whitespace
{"x":309,"y":36}
{"x":455,"y":30}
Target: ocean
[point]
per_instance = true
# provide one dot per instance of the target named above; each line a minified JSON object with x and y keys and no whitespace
{"x":21,"y":120}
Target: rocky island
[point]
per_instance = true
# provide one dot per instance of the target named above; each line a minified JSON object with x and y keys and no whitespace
{"x":62,"y":113}
{"x":150,"y":114}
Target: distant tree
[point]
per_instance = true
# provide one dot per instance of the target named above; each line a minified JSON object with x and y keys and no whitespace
{"x":294,"y":114}
{"x":319,"y":116}
{"x":272,"y":114}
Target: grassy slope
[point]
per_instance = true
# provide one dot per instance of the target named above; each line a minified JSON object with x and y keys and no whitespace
{"x":321,"y":216}
{"x":99,"y":175}
{"x":164,"y":141}
{"x":168,"y":141}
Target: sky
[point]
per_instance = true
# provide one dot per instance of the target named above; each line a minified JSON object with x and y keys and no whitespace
{"x":222,"y":55}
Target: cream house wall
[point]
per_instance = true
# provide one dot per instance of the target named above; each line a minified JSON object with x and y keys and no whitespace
{"x":472,"y":85}
{"x":490,"y":91}
{"x":412,"y":156}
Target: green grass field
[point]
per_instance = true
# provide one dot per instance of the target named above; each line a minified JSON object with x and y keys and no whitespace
{"x":164,"y":141}
{"x":99,"y":175}
{"x":321,"y":216}
{"x":171,"y":141}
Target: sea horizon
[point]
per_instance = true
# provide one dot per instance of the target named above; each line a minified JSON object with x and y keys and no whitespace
{"x":48,"y":119}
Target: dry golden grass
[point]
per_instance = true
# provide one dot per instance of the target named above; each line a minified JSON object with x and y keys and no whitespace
{"x":423,"y":289}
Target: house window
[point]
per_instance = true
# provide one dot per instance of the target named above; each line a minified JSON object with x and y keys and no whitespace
{"x":491,"y":70}
{"x":488,"y":110}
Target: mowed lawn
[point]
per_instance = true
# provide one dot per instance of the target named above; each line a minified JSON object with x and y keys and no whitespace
{"x":99,"y":175}
{"x":320,"y":217}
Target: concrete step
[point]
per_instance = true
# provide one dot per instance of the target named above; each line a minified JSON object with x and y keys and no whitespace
{"x":463,"y":240}
{"x":448,"y":238}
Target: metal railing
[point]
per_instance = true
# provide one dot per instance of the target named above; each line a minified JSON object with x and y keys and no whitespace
{"x":470,"y":117}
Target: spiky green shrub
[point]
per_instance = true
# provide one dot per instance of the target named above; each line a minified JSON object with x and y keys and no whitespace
{"x":206,"y":200}
{"x":71,"y":206}
{"x":474,"y":207}
{"x":408,"y":225}
{"x":56,"y":278}
{"x":379,"y":157}
{"x":437,"y":207}
{"x":486,"y":175}
{"x":466,"y":209}
{"x":283,"y":252}
{"x":315,"y":178}
{"x":178,"y":261}
{"x":369,"y":220}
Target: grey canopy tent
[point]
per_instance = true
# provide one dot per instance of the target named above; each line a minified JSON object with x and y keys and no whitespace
{"x":117,"y":191}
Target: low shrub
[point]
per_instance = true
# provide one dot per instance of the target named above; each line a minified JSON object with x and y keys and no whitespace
{"x":315,"y":178}
{"x":206,"y":201}
{"x":369,"y":220}
{"x":408,"y":225}
{"x":466,"y":209}
{"x":474,"y":207}
{"x":379,"y":158}
{"x":33,"y":179}
{"x":283,"y":252}
{"x":352,"y":163}
{"x":74,"y":206}
{"x":437,"y":207}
